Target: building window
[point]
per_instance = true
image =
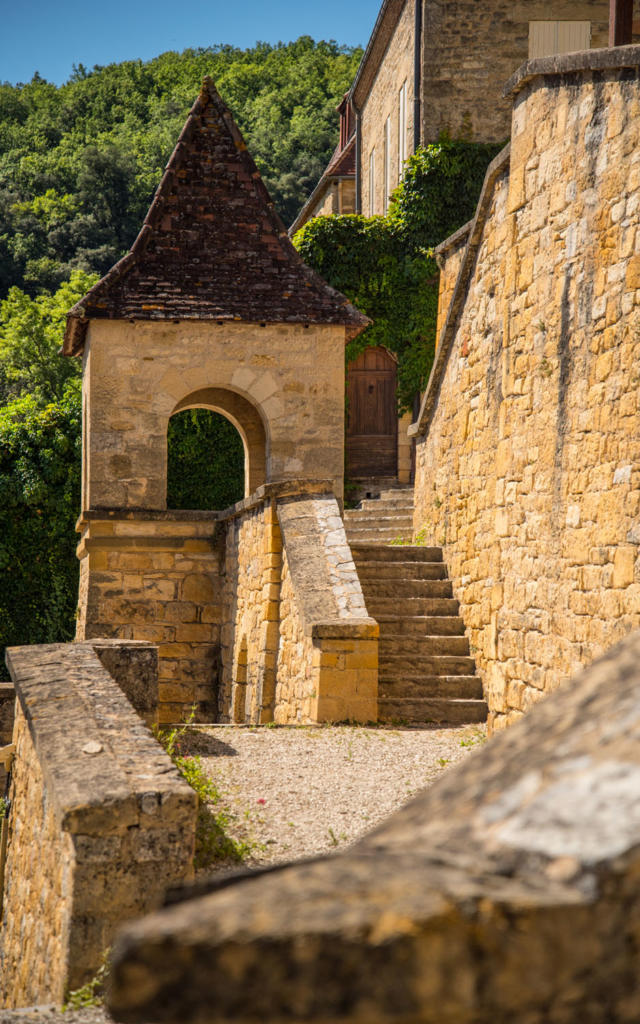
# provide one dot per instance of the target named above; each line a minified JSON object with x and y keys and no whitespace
{"x":372,"y":181}
{"x":549,"y":37}
{"x":387,"y":162}
{"x":402,"y":129}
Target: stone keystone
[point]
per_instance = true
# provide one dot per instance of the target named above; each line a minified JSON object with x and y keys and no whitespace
{"x":507,"y":892}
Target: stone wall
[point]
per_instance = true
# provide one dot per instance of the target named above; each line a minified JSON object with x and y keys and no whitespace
{"x":100,"y":823}
{"x":471,"y":49}
{"x":298,"y":645}
{"x":158,"y":577}
{"x":507,"y":892}
{"x":250,"y":613}
{"x":382,"y":102}
{"x":328,"y":657}
{"x":528,"y":465}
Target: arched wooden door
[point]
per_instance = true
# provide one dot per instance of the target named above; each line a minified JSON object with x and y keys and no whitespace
{"x":372,"y":419}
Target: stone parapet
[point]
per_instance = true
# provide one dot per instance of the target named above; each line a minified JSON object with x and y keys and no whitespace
{"x":329,"y":643}
{"x":100,"y":823}
{"x":507,"y":891}
{"x":297,"y":643}
{"x":156,"y":577}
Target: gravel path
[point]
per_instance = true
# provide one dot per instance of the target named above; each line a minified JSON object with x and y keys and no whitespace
{"x":293,"y":792}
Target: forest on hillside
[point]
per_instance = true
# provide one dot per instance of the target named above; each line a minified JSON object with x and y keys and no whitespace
{"x":79,"y":163}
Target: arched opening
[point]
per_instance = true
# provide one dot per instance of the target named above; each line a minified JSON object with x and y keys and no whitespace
{"x":216,"y":450}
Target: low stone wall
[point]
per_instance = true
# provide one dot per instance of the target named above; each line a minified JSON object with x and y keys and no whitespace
{"x":100,"y":823}
{"x":251,"y":611}
{"x":506,"y":892}
{"x":156,"y":576}
{"x":328,"y":657}
{"x":528,"y":465}
{"x":298,"y":645}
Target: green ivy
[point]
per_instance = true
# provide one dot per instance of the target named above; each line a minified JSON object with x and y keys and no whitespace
{"x":385,"y":266}
{"x":205,"y":461}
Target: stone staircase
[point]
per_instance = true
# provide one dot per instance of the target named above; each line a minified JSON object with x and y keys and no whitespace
{"x":426,"y":673}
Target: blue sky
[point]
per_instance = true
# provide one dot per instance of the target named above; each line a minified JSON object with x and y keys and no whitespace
{"x":50,"y":36}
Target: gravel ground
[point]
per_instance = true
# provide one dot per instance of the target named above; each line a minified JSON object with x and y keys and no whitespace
{"x":294,"y":792}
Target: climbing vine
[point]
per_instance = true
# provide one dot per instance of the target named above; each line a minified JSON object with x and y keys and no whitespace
{"x":385,"y":266}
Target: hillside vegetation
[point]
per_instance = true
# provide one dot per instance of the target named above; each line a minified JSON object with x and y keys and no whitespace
{"x":79,"y":163}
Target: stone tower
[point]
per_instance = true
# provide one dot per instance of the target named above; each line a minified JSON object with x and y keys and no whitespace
{"x":212,"y":308}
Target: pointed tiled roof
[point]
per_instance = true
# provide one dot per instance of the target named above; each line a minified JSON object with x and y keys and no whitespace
{"x":212,"y":246}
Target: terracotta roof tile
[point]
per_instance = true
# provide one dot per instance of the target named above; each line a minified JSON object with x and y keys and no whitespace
{"x":212,"y":246}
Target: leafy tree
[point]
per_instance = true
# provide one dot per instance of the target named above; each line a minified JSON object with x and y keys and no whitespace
{"x":79,"y":164}
{"x":39,"y":501}
{"x":30,"y":335}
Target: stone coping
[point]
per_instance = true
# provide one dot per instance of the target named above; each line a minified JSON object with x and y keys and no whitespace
{"x":280,"y":490}
{"x":458,"y":299}
{"x":103,"y":770}
{"x":339,"y":629}
{"x":507,"y":891}
{"x":454,"y":240}
{"x":605,"y":59}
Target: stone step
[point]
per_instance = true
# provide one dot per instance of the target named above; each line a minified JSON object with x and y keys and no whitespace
{"x":409,"y":609}
{"x":404,"y":665}
{"x":432,"y":709}
{"x":420,"y":626}
{"x":377,"y":534}
{"x":396,"y":492}
{"x":400,"y":571}
{"x":394,"y":553}
{"x":375,"y":589}
{"x":411,"y":646}
{"x":366,"y":522}
{"x":382,"y":516}
{"x":457,"y":687}
{"x":384,"y":507}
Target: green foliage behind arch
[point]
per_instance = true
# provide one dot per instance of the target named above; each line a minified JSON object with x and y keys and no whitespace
{"x":205,"y":461}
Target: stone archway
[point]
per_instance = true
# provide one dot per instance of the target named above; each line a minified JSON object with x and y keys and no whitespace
{"x":247,"y":421}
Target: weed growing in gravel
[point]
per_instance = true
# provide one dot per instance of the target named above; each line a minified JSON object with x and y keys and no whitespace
{"x":91,"y":993}
{"x":443,"y":761}
{"x":213,"y":842}
{"x":477,"y":737}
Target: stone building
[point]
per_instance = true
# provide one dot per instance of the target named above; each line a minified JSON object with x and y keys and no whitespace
{"x":430,"y":67}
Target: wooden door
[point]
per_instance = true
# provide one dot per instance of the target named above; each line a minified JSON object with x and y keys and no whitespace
{"x":372,"y":419}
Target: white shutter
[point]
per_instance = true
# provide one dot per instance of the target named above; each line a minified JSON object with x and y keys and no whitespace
{"x":549,"y":37}
{"x":573,"y":35}
{"x":402,"y":128}
{"x":372,"y":181}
